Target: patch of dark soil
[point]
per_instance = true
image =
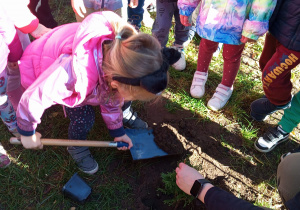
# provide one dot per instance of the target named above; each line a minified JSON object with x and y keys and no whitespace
{"x":221,"y":155}
{"x":167,"y":140}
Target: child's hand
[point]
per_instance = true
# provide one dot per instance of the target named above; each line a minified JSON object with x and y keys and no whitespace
{"x":32,"y":142}
{"x":185,"y":20}
{"x":133,"y":3}
{"x":186,"y":176}
{"x":40,"y":31}
{"x":246,"y":39}
{"x":78,"y":7}
{"x":125,"y":139}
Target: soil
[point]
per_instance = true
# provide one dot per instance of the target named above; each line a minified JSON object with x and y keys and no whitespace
{"x":187,"y":135}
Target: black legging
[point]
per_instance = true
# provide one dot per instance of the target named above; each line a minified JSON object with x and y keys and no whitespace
{"x":81,"y":121}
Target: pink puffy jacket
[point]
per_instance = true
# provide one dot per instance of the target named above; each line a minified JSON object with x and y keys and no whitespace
{"x":64,"y":67}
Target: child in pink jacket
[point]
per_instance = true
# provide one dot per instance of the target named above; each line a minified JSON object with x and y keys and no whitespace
{"x":99,"y":62}
{"x":13,"y":14}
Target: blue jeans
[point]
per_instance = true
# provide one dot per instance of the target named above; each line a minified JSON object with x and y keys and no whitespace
{"x":135,"y":15}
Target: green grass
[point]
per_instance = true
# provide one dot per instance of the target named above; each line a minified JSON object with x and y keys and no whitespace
{"x":170,"y":188}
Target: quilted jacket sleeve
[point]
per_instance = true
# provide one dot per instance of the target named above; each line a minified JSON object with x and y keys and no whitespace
{"x":50,"y":88}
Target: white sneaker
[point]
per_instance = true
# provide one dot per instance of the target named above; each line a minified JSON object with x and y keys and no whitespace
{"x":220,"y":97}
{"x":198,"y":85}
{"x":180,"y":64}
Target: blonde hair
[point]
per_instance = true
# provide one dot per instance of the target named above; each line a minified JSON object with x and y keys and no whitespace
{"x":131,"y":55}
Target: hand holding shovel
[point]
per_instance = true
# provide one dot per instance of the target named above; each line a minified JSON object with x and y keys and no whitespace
{"x":142,"y":139}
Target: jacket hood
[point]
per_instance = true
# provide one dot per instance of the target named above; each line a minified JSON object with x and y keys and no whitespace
{"x":87,"y":47}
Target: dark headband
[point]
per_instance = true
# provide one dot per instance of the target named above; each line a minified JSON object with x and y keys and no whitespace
{"x":157,"y":81}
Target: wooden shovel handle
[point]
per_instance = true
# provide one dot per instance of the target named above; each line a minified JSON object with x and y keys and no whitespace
{"x":80,"y":143}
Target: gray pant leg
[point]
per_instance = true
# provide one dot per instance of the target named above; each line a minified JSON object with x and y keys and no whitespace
{"x":181,"y":31}
{"x":163,"y":21}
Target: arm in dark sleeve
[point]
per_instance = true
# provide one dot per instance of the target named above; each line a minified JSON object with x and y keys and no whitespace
{"x":216,"y":199}
{"x":294,"y":203}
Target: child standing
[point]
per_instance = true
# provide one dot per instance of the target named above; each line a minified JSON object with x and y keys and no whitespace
{"x":232,"y":23}
{"x":12,"y":14}
{"x":280,"y":55}
{"x":82,"y":9}
{"x":165,"y":10}
{"x":79,"y":65}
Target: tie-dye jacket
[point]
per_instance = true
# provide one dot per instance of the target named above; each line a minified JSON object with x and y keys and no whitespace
{"x":226,"y":21}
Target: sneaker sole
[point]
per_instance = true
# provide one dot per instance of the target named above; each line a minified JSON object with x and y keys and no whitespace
{"x":91,"y":171}
{"x":266,"y":117}
{"x":268,"y":150}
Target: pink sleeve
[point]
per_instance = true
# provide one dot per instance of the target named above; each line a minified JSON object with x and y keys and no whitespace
{"x":15,"y":49}
{"x":48,"y":89}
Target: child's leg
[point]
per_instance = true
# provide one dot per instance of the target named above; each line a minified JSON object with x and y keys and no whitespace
{"x":81,"y":121}
{"x":7,"y":112}
{"x":163,"y":21}
{"x":135,"y":15}
{"x":14,"y":89}
{"x":130,"y":118}
{"x":232,"y":60}
{"x":181,"y":31}
{"x":268,"y":50}
{"x":291,"y":116}
{"x":206,"y":51}
{"x":276,"y":75}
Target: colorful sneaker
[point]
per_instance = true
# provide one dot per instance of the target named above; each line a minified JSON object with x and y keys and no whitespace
{"x":131,"y":120}
{"x":84,"y":159}
{"x":181,"y":63}
{"x":198,"y":85}
{"x":220,"y":97}
{"x":271,"y":139}
{"x":4,"y":159}
{"x":262,"y":107}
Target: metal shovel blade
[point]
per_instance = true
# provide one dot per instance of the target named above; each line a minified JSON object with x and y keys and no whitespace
{"x":144,"y":146}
